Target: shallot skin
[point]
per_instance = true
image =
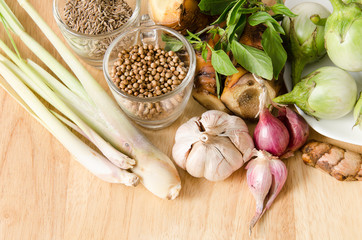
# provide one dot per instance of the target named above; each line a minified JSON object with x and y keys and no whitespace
{"x":270,"y":134}
{"x":297,"y":127}
{"x":266,"y":176}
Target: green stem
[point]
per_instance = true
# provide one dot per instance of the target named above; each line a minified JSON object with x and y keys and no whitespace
{"x":337,"y":4}
{"x":317,"y":20}
{"x":299,"y":96}
{"x":298,"y":65}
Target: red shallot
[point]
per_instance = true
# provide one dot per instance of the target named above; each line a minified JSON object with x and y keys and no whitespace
{"x":266,"y":175}
{"x":297,"y":127}
{"x":270,"y":134}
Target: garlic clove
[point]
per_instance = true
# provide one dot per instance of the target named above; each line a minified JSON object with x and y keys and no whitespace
{"x":186,"y":135}
{"x":222,"y":160}
{"x":222,"y":124}
{"x":197,"y":159}
{"x":214,"y":121}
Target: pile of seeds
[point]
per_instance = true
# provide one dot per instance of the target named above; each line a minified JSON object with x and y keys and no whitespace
{"x":96,"y":16}
{"x":148,"y":71}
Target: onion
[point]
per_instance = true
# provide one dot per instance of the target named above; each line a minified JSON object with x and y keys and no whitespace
{"x":270,"y":134}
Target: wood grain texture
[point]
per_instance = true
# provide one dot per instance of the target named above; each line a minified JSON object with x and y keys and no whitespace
{"x":46,"y":194}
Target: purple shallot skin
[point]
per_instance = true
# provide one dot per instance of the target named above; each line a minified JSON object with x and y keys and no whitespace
{"x":266,"y":176}
{"x":297,"y":127}
{"x":270,"y":134}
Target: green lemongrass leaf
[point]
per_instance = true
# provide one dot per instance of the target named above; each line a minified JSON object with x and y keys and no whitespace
{"x":272,"y":45}
{"x":224,"y":14}
{"x":7,"y":27}
{"x":252,"y":59}
{"x":222,"y":63}
{"x":234,"y":15}
{"x":282,"y":9}
{"x":13,"y":22}
{"x":264,"y":17}
{"x":214,"y":7}
{"x":172,"y":44}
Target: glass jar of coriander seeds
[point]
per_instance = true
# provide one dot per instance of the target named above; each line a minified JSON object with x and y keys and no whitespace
{"x":89,"y":26}
{"x":151,"y":83}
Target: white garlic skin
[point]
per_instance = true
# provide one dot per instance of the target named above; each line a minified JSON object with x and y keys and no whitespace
{"x":212,"y":146}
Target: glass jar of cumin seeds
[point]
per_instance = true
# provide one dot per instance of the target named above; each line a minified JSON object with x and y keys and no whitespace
{"x":156,"y":111}
{"x":89,"y":26}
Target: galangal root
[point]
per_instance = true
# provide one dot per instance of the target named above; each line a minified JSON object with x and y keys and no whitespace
{"x":344,"y":165}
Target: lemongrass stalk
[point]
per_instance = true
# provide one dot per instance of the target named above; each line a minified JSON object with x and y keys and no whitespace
{"x":88,"y":113}
{"x":112,"y":154}
{"x":157,"y":172}
{"x":15,"y":26}
{"x":90,"y":159}
{"x":34,"y":81}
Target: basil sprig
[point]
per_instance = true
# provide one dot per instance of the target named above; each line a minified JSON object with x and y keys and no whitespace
{"x":266,"y":63}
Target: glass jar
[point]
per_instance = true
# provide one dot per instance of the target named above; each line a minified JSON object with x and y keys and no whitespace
{"x":159,"y":111}
{"x":91,"y":48}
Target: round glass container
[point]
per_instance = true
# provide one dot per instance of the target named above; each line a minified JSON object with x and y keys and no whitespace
{"x":91,"y":48}
{"x":159,"y":111}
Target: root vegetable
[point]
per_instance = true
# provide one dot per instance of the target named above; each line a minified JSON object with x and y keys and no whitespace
{"x":241,"y":93}
{"x":205,"y":91}
{"x":342,"y":164}
{"x":180,"y":15}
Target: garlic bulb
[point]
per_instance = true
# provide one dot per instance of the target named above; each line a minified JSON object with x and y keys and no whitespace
{"x":213,"y":145}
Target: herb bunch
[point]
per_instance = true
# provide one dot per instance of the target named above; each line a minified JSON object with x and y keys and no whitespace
{"x":266,"y":63}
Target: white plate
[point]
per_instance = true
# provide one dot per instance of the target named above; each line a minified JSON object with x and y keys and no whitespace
{"x":339,"y":129}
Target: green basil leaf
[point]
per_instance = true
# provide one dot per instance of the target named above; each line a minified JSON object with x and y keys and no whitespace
{"x":204,"y":52}
{"x":252,"y":59}
{"x":198,"y":46}
{"x":236,"y":30}
{"x":272,"y":44}
{"x":222,"y":63}
{"x":259,"y":17}
{"x":224,"y":14}
{"x":282,"y":9}
{"x":214,"y":7}
{"x":264,"y":17}
{"x":234,"y":16}
{"x":248,"y":10}
{"x":172,"y":44}
{"x":194,"y":36}
{"x":280,"y":1}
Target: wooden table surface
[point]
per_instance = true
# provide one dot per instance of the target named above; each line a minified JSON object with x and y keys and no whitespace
{"x":46,"y":194}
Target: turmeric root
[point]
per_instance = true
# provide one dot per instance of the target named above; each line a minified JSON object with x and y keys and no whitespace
{"x":342,"y":164}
